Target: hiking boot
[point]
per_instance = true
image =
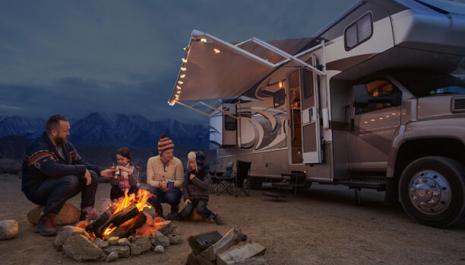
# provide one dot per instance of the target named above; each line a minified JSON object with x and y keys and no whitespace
{"x":47,"y":225}
{"x":217,"y":219}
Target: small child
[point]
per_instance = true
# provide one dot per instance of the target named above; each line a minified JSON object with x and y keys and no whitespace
{"x":196,"y":184}
{"x":124,"y":180}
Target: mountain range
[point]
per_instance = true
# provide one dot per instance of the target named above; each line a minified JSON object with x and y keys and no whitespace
{"x":100,"y":129}
{"x":97,"y":135}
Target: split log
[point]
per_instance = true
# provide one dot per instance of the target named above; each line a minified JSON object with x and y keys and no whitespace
{"x":203,"y":241}
{"x":231,"y":238}
{"x":240,"y":254}
{"x":129,"y":227}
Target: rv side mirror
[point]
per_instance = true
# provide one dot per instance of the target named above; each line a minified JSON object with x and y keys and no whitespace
{"x":361,"y":96}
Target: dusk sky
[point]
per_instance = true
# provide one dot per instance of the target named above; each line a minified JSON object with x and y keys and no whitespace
{"x":76,"y":57}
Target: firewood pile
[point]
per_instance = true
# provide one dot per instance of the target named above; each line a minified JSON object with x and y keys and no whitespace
{"x":233,"y":248}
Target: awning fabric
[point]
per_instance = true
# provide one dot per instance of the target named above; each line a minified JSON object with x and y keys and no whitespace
{"x":213,"y":68}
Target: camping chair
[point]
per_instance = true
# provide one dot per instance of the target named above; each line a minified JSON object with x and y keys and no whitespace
{"x":225,"y":181}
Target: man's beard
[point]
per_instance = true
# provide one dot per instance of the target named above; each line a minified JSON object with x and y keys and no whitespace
{"x":60,"y":140}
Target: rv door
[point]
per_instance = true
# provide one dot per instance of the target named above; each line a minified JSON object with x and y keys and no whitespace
{"x":311,"y":140}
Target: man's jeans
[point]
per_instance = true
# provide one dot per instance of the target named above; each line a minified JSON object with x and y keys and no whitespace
{"x":54,"y":192}
{"x":171,"y":197}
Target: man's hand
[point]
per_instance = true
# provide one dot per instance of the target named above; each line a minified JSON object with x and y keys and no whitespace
{"x":107,"y":172}
{"x":87,"y":177}
{"x":187,"y":202}
{"x":163,"y":185}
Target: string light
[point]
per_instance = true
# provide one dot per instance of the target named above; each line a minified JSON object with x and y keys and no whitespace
{"x":216,"y":51}
{"x":184,"y":60}
{"x":203,"y":40}
{"x":182,"y":76}
{"x":180,"y":82}
{"x":178,"y":87}
{"x":183,"y":69}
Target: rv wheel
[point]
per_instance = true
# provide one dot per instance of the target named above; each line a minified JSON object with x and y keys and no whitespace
{"x":432,"y":191}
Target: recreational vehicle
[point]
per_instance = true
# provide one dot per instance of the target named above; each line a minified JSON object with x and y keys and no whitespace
{"x":376,"y":99}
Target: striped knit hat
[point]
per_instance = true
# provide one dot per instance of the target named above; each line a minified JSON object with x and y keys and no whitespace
{"x":164,"y":144}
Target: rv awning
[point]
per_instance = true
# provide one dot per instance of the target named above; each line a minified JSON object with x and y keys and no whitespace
{"x":216,"y":69}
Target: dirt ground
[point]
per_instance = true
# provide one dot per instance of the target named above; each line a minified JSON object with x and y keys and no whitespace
{"x":322,"y":226}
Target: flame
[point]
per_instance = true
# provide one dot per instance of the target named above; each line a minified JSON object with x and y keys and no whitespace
{"x":140,"y":200}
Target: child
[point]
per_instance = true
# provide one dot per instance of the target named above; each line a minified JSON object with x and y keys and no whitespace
{"x":195,"y":190}
{"x":124,"y":180}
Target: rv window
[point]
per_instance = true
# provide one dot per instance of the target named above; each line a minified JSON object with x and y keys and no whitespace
{"x":430,"y":83}
{"x":382,"y":94}
{"x":358,"y":32}
{"x":230,"y":123}
{"x":279,"y":98}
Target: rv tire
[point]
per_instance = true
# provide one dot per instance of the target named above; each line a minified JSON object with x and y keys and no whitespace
{"x":432,"y":191}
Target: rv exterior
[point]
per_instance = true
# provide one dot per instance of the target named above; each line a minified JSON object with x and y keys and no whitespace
{"x":372,"y":101}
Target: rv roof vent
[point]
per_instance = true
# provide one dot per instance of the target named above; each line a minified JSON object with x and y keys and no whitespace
{"x":458,"y":105}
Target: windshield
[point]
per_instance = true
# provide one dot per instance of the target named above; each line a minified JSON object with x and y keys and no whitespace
{"x":424,"y":84}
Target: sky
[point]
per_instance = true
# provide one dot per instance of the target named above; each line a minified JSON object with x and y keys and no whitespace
{"x":75,"y":57}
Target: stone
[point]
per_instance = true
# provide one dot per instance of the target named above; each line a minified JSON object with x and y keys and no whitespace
{"x":80,"y":248}
{"x":175,"y":239}
{"x":65,"y":232}
{"x":141,"y":245}
{"x":123,"y":251}
{"x":68,"y":215}
{"x":101,"y":243}
{"x":8,"y":229}
{"x":164,"y":227}
{"x":160,"y":239}
{"x":112,"y":256}
{"x":159,"y":249}
{"x":123,"y":242}
{"x":113,"y":241}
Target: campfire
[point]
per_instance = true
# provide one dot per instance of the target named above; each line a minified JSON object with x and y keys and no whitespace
{"x":126,"y":217}
{"x":124,"y":229}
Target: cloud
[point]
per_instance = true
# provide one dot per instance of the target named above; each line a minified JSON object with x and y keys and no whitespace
{"x":108,"y":55}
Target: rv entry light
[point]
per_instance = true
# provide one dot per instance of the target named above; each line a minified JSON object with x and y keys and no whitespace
{"x":182,"y":76}
{"x":183,"y":69}
{"x":180,"y":82}
{"x":203,"y":40}
{"x":216,"y":51}
{"x":184,"y":60}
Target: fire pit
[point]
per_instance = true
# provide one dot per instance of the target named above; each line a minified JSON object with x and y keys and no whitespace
{"x":124,"y":229}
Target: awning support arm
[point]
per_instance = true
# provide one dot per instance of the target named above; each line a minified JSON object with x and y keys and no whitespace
{"x":218,"y":109}
{"x":193,"y":109}
{"x":287,"y":56}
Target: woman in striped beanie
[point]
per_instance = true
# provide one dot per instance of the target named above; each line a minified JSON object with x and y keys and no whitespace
{"x":165,"y":175}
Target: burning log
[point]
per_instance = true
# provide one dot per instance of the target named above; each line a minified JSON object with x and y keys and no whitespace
{"x":106,"y":220}
{"x":129,"y":227}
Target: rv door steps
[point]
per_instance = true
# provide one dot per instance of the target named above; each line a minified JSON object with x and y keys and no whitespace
{"x":363,"y":184}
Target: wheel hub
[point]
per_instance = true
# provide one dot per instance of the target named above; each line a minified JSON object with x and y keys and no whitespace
{"x":430,"y":192}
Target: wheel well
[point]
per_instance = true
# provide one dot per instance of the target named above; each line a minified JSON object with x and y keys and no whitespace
{"x":414,"y":149}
